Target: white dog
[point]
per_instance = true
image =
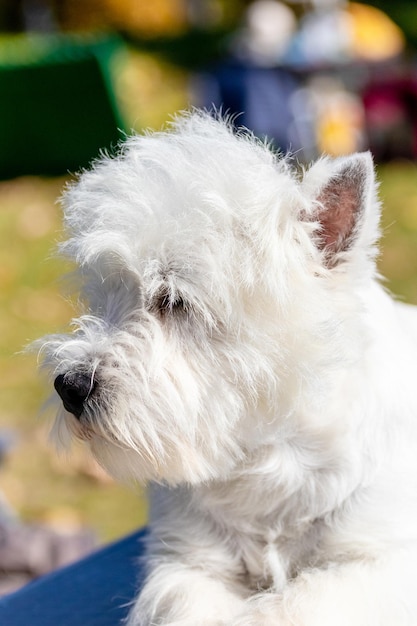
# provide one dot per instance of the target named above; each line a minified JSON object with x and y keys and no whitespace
{"x":237,"y":353}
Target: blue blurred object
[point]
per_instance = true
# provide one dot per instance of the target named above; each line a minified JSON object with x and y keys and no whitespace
{"x":261,"y":98}
{"x":95,"y":591}
{"x":8,"y":439}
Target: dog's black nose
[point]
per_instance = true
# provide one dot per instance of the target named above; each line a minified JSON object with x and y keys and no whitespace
{"x":74,"y":389}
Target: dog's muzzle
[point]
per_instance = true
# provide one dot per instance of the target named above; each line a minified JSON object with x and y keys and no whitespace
{"x":74,"y":389}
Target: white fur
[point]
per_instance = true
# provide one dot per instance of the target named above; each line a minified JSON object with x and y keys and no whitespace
{"x":263,"y":384}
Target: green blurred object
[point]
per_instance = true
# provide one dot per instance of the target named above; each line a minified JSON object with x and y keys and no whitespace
{"x":57,"y":103}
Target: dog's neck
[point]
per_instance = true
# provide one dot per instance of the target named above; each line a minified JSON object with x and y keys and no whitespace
{"x":299,"y":481}
{"x":284,"y":520}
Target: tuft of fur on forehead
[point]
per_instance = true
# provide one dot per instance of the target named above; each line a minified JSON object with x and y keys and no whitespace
{"x":195,"y":183}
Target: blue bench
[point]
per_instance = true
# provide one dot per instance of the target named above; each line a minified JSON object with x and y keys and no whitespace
{"x":95,"y":591}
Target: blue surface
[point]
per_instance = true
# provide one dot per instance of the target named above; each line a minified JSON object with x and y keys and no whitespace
{"x":95,"y":591}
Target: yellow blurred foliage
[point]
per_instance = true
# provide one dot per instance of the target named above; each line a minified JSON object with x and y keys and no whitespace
{"x":159,"y":17}
{"x":156,"y":18}
{"x":374,"y":35}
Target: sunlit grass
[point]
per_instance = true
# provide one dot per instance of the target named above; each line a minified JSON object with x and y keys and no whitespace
{"x":398,"y":261}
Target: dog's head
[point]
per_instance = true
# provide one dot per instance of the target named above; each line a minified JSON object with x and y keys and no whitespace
{"x":220,"y":293}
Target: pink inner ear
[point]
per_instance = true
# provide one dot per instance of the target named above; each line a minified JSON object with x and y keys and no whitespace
{"x":341,"y":201}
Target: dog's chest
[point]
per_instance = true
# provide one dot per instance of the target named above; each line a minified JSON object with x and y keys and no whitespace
{"x":273,"y":557}
{"x":272,"y":514}
{"x":275,"y":511}
{"x":274,"y":536}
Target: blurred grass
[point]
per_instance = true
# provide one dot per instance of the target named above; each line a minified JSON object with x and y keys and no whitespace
{"x":74,"y":491}
{"x":398,"y":260}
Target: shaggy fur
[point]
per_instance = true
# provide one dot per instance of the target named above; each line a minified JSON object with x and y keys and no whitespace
{"x":244,"y":361}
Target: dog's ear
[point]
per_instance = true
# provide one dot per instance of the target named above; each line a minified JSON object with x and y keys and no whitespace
{"x":344,"y":205}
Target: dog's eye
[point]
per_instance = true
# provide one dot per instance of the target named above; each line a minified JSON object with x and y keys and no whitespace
{"x":165,"y":304}
{"x":168,"y":305}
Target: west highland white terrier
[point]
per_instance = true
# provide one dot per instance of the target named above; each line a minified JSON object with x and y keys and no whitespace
{"x":236,"y":352}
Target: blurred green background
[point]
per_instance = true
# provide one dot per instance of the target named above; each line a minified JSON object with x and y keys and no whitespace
{"x":150,"y":77}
